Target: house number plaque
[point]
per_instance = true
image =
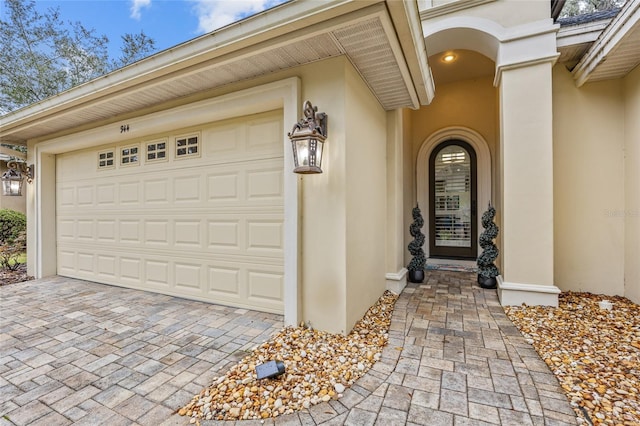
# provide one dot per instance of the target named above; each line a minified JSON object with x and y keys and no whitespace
{"x":124,"y":128}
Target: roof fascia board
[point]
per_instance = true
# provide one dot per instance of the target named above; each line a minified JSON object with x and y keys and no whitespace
{"x":406,"y":19}
{"x":578,"y":34}
{"x":4,"y":151}
{"x":608,"y":41}
{"x":266,"y":25}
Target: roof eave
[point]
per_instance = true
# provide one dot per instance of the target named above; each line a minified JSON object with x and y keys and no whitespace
{"x":618,"y":29}
{"x":263,"y":26}
{"x":406,"y":19}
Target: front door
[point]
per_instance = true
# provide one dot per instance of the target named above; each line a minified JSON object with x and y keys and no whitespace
{"x":452,"y":201}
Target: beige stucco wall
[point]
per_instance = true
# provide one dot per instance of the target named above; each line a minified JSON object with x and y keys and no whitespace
{"x":589,"y":135}
{"x":365,"y":162}
{"x":631,"y":86}
{"x":471,"y":104}
{"x":507,"y":13}
{"x":344,"y":208}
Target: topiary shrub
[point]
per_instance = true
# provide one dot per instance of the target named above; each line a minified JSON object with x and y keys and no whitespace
{"x":487,"y":270}
{"x":12,"y":224}
{"x":416,"y":265}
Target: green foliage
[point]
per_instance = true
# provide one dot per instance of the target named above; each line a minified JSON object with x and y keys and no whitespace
{"x":415,"y":246}
{"x":12,"y":251}
{"x":12,"y":223}
{"x":13,"y":238}
{"x":42,"y":55}
{"x":582,"y":7}
{"x":486,"y":267}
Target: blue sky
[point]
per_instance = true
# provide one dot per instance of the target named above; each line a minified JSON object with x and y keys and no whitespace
{"x":168,"y":22}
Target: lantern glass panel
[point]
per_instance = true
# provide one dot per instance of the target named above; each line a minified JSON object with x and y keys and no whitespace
{"x":302,"y":148}
{"x":12,"y":187}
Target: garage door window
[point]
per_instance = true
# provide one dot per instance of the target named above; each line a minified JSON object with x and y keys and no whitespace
{"x":129,"y":156}
{"x":157,"y":151}
{"x":187,"y":146}
{"x":106,"y":159}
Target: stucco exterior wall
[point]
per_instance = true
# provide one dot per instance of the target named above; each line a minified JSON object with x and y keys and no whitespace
{"x":589,"y":187}
{"x":506,"y":12}
{"x":366,"y":151}
{"x":631,"y":85}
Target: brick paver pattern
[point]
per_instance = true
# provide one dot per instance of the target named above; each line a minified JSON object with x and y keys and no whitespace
{"x":73,"y":352}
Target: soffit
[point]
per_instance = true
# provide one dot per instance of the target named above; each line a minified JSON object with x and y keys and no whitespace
{"x":365,"y":37}
{"x":617,"y":50}
{"x":621,"y":60}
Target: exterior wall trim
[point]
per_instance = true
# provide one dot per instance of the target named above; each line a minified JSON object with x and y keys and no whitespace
{"x":483,"y":158}
{"x":284,"y":94}
{"x":515,"y":294}
{"x":397,"y":281}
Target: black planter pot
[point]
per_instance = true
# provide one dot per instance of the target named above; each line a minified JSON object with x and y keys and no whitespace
{"x":487,"y":282}
{"x":416,"y":276}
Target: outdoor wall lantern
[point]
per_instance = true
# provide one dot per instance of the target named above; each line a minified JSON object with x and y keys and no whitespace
{"x":307,"y":139}
{"x":13,"y":178}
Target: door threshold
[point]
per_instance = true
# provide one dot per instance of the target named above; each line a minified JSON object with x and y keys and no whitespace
{"x":452,"y":264}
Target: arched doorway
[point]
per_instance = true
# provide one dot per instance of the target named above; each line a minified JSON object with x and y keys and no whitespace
{"x":453,"y":201}
{"x":431,"y":145}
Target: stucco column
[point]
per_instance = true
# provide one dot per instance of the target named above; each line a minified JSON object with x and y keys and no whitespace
{"x":526,"y":174}
{"x":396,"y":276}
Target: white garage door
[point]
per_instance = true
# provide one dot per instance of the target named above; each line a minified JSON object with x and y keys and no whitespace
{"x":197,"y":213}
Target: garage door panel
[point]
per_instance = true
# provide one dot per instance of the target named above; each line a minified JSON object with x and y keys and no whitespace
{"x":157,"y":232}
{"x":265,"y":184}
{"x":223,"y":187}
{"x":224,"y":235}
{"x":156,"y":191}
{"x":129,"y":231}
{"x":265,"y":285}
{"x":106,"y":230}
{"x":106,"y":195}
{"x":187,"y":189}
{"x":130,"y":270}
{"x":85,"y":196}
{"x":66,"y":229}
{"x":188,"y":233}
{"x":265,"y":237}
{"x":188,"y":276}
{"x":157,"y":273}
{"x":208,"y":228}
{"x":224,"y":281}
{"x":128,"y":193}
{"x":106,"y":266}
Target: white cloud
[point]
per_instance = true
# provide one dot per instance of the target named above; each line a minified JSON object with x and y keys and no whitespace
{"x":136,"y":6}
{"x":213,"y":14}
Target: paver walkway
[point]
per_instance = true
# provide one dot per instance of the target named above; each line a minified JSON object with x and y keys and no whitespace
{"x":76,"y":351}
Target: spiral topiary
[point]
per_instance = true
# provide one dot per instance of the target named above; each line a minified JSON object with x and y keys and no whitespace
{"x":486,"y":267}
{"x":415,"y":246}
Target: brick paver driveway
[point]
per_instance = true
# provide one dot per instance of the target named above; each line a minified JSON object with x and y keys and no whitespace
{"x":84,"y":353}
{"x":78,"y":352}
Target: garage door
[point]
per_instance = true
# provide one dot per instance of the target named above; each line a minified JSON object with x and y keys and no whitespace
{"x":197,"y":213}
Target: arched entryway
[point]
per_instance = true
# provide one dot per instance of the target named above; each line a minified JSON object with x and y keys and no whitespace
{"x":453,"y":201}
{"x":441,"y":147}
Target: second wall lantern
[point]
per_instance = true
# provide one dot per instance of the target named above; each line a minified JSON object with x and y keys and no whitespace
{"x":307,"y":139}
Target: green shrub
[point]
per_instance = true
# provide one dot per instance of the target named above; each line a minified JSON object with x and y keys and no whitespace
{"x":12,"y":250}
{"x":12,"y":224}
